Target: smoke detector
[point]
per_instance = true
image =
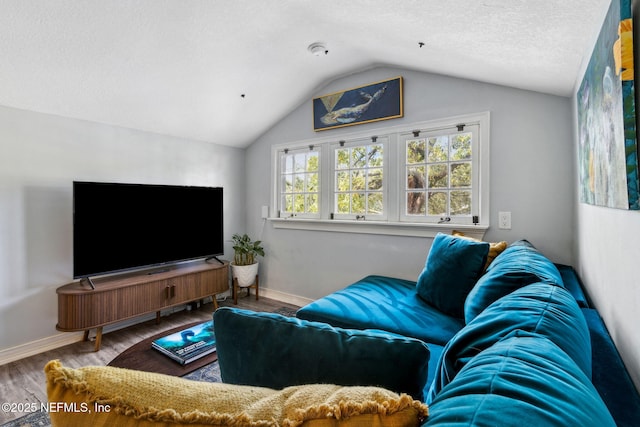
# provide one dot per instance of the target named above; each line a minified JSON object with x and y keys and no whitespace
{"x":318,"y":49}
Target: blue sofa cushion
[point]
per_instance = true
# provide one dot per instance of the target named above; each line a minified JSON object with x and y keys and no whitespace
{"x":548,"y":310}
{"x":453,"y":266}
{"x":387,"y":303}
{"x":524,"y":380}
{"x":275,"y":351}
{"x":610,"y":377}
{"x":519,"y":265}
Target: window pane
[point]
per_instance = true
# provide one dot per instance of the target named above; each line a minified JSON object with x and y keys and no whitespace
{"x":313,"y":163}
{"x":300,"y":162}
{"x":298,"y":203}
{"x":312,"y":203}
{"x":437,"y":203}
{"x":461,"y":146}
{"x":342,"y":158}
{"x":461,"y":174}
{"x":287,"y":184}
{"x":342,"y":181}
{"x":312,"y":182}
{"x":374,"y":203}
{"x":438,"y":176}
{"x":358,"y":203}
{"x":461,"y":203}
{"x":343,"y":203}
{"x":416,"y":203}
{"x":357,"y":180}
{"x":359,"y":157}
{"x":375,"y":156}
{"x":287,"y":203}
{"x":375,"y":179}
{"x":415,"y":177}
{"x":298,"y":185}
{"x":287,"y":164}
{"x":415,"y":151}
{"x":438,"y":149}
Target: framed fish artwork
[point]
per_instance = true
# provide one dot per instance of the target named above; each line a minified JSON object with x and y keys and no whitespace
{"x":364,"y":104}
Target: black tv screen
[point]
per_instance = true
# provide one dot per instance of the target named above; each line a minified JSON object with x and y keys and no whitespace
{"x":118,"y":227}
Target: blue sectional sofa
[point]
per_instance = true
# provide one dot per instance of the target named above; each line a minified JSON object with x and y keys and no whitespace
{"x":512,"y":343}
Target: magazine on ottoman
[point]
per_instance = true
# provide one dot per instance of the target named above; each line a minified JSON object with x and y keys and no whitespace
{"x":189,"y":344}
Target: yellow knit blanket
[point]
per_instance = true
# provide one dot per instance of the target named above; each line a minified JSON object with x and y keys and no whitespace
{"x":102,"y":395}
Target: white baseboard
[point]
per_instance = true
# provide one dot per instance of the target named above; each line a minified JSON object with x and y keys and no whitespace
{"x":285,"y":297}
{"x":39,"y":346}
{"x":65,"y":338}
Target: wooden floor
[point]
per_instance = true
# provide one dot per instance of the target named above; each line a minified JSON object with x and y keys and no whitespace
{"x":23,"y":381}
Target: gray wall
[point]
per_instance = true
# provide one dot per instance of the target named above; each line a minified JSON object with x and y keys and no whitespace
{"x":531,"y":175}
{"x":40,"y":156}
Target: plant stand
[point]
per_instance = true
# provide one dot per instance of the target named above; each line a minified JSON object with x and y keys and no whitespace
{"x":236,"y":288}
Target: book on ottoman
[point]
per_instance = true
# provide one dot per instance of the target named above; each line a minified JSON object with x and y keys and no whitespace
{"x":189,"y":344}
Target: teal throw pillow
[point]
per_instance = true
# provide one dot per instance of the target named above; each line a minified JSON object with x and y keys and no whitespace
{"x":453,"y":267}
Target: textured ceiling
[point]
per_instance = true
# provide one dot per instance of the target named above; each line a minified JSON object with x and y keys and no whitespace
{"x":180,"y":67}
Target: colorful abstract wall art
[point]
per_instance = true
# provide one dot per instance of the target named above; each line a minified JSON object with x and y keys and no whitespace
{"x":608,"y":149}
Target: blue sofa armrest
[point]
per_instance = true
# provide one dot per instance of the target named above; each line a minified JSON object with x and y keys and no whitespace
{"x":610,"y":377}
{"x":573,"y":284}
{"x":275,"y":351}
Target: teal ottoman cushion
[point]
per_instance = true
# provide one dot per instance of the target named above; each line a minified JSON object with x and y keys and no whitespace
{"x":387,"y":303}
{"x":519,"y":265}
{"x":524,"y":380}
{"x":275,"y":351}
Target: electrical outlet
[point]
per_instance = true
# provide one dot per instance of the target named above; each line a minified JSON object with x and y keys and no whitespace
{"x":504,"y":220}
{"x":265,"y":212}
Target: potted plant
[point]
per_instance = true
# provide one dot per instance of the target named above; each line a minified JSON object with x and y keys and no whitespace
{"x":245,"y":264}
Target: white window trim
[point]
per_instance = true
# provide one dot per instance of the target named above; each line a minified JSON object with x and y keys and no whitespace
{"x":393,"y":225}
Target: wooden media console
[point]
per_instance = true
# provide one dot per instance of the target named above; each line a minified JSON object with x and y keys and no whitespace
{"x":117,"y":298}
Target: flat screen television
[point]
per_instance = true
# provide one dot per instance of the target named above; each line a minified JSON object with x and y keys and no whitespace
{"x":119,"y":227}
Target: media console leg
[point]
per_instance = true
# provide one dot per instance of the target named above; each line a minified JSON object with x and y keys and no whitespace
{"x":98,"y":338}
{"x":215,"y":302}
{"x":157,"y":317}
{"x":85,"y":337}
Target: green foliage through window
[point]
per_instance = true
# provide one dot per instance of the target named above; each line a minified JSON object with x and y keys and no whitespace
{"x":359,"y":180}
{"x":438,"y":175}
{"x":300,"y":182}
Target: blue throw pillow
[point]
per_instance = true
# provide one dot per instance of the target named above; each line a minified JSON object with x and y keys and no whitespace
{"x":547,"y":310}
{"x":519,"y":265}
{"x":524,"y":380}
{"x":275,"y":351}
{"x":453,"y":266}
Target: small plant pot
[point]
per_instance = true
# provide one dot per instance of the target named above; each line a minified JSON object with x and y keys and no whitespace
{"x":245,"y":274}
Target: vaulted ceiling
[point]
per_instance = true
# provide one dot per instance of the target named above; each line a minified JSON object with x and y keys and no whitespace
{"x":205,"y":69}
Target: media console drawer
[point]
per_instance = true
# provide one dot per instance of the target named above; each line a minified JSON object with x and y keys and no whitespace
{"x":121,"y":297}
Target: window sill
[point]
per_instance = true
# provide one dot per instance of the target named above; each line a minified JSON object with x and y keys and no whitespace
{"x":382,"y":228}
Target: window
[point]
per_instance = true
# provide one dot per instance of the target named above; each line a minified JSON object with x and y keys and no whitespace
{"x":358,"y":180}
{"x":299,"y":189}
{"x":439,"y":175}
{"x":413,"y":180}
